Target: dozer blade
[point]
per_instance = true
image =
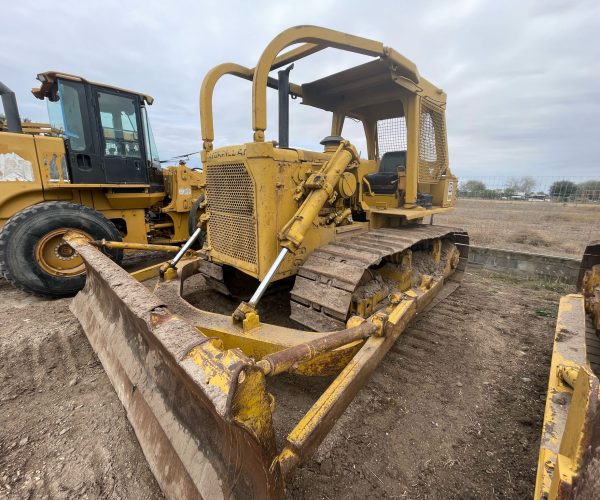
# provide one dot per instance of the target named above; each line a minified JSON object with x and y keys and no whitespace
{"x":569,"y":457}
{"x":201,"y":415}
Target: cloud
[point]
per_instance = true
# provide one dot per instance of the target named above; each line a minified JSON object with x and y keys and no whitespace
{"x":521,"y":76}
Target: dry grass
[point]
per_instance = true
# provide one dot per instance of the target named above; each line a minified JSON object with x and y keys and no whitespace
{"x":541,"y":227}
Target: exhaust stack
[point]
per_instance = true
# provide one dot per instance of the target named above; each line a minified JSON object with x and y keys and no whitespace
{"x":11,"y":110}
{"x":284,"y":106}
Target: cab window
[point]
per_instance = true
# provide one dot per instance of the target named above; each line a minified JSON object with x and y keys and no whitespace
{"x":66,"y":114}
{"x":119,"y":125}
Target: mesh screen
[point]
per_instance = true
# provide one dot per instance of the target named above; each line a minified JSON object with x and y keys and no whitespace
{"x":432,"y":145}
{"x":230,"y":198}
{"x":391,"y":135}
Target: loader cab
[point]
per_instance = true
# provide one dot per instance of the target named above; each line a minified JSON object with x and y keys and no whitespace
{"x":108,"y":137}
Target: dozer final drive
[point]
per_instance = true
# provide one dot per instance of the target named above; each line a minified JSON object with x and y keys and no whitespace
{"x":93,"y":169}
{"x":345,"y":233}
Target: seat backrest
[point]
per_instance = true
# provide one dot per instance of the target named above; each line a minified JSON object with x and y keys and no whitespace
{"x":392,"y":161}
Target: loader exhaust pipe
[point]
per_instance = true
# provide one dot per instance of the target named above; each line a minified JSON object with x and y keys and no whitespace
{"x":11,"y":110}
{"x":284,"y":106}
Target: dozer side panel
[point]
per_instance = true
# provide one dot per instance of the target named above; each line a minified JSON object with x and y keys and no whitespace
{"x":20,"y":180}
{"x":52,"y":160}
{"x":201,"y":415}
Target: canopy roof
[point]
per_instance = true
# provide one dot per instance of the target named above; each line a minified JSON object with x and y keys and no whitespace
{"x":373,"y":90}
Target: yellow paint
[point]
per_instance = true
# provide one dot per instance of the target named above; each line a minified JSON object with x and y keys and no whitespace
{"x":116,"y":201}
{"x":147,"y":273}
{"x":139,"y":246}
{"x":290,"y":197}
{"x":251,"y":321}
{"x":56,"y":257}
{"x":563,"y":441}
{"x":401,"y":310}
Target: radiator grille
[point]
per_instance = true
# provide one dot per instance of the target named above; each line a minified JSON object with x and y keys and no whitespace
{"x":433,"y":159}
{"x":232,"y":222}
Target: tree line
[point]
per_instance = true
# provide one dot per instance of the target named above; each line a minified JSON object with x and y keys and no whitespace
{"x":525,"y":187}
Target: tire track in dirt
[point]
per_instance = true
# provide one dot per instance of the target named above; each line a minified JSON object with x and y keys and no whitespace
{"x":63,"y":431}
{"x":447,"y":413}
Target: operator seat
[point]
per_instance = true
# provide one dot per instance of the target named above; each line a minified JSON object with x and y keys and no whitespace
{"x":385,"y":180}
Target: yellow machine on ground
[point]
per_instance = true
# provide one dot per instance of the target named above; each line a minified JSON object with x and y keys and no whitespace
{"x":93,"y":169}
{"x":345,"y":233}
{"x":569,"y":458}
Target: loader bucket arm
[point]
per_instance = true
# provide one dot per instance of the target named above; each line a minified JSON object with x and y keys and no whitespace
{"x":201,"y":415}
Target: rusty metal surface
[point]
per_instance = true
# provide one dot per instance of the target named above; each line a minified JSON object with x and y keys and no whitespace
{"x":591,"y":257}
{"x":324,"y":285}
{"x":285,"y":359}
{"x":199,"y":407}
{"x":572,"y":413}
{"x":190,"y":417}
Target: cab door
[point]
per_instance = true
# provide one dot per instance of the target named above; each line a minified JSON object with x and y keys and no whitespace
{"x":122,"y":142}
{"x":70,"y":112}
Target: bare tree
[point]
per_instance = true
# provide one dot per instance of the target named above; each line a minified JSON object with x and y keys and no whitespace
{"x":527,"y":184}
{"x":521,"y":185}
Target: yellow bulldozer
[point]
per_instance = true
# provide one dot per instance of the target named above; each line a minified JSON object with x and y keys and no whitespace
{"x":351,"y":238}
{"x":93,"y":169}
{"x":569,"y":457}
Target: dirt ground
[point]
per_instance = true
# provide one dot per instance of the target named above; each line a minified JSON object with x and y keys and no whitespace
{"x":454,"y":410}
{"x":541,"y":227}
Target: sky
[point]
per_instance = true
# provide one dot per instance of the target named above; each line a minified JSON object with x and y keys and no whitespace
{"x":522,"y":77}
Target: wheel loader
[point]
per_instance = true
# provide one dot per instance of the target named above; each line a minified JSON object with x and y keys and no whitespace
{"x":93,"y":169}
{"x":350,"y":238}
{"x":569,"y":457}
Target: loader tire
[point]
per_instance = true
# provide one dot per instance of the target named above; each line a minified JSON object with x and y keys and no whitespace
{"x":193,"y":221}
{"x":35,"y":259}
